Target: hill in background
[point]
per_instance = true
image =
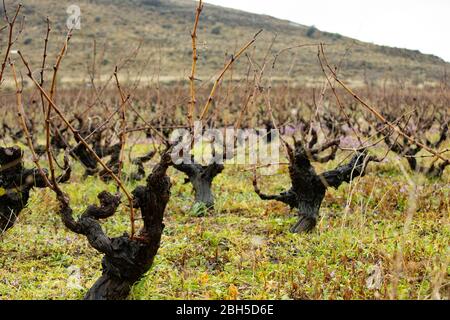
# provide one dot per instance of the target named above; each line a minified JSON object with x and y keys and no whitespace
{"x":161,"y":29}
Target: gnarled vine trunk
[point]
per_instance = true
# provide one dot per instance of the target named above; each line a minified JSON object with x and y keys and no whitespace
{"x":125,"y":259}
{"x":139,"y":162}
{"x":404,"y":148}
{"x":16,"y":182}
{"x":309,"y":188}
{"x":201,"y":177}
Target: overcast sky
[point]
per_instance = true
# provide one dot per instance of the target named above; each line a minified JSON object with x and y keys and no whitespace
{"x":414,"y":24}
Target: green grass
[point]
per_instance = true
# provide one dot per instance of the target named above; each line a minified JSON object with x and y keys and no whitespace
{"x":244,"y":249}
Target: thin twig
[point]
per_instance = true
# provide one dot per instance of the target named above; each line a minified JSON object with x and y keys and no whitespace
{"x":23,"y":122}
{"x":76,"y":133}
{"x":378,"y":114}
{"x":194,"y":65}
{"x":123,"y":139}
{"x":11,"y":24}
{"x":222,"y":73}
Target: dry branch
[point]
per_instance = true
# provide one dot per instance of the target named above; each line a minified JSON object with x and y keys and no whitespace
{"x":194,"y":65}
{"x":222,"y":73}
{"x":377,"y":114}
{"x":76,"y":132}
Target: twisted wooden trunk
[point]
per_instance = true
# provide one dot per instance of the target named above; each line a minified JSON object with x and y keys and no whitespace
{"x":309,"y":188}
{"x":125,"y":259}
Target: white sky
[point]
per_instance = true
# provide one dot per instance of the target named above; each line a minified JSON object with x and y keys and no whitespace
{"x":414,"y":24}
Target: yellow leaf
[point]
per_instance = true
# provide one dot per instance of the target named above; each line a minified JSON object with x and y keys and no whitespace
{"x":204,"y":278}
{"x":2,"y":192}
{"x":233,"y":292}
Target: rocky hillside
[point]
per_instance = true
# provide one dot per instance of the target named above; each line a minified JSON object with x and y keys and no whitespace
{"x":161,"y":31}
